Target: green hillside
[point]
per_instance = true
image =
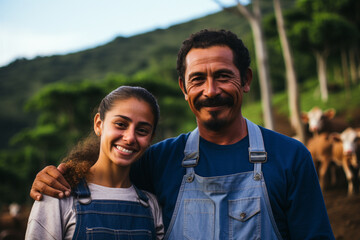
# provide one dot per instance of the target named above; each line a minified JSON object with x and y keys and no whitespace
{"x":152,"y":51}
{"x":60,"y":92}
{"x":152,"y":55}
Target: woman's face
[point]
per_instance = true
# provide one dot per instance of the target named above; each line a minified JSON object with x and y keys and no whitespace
{"x":126,"y":131}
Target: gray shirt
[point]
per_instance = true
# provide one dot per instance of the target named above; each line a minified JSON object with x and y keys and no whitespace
{"x":54,"y":218}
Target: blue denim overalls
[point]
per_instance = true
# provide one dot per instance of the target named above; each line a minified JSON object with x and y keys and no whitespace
{"x":223,"y":207}
{"x":112,"y":219}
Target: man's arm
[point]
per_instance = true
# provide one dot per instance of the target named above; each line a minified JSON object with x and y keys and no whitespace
{"x":307,"y":214}
{"x":50,"y":181}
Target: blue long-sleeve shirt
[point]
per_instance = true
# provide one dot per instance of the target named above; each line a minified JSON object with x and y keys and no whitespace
{"x":291,"y":180}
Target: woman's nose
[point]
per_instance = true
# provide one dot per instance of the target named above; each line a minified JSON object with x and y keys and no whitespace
{"x":129,"y":136}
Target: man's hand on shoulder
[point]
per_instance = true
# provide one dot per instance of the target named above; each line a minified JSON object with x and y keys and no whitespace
{"x":50,"y":181}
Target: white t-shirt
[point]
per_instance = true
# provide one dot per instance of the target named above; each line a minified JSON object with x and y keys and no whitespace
{"x":54,"y":218}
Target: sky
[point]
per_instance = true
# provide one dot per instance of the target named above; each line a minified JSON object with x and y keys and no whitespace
{"x":30,"y":28}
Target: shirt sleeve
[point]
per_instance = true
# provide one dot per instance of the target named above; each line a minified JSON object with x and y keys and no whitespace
{"x":51,"y":218}
{"x":306,"y":212}
{"x":157,"y":213}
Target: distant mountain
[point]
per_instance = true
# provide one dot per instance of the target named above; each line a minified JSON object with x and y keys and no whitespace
{"x":22,"y":78}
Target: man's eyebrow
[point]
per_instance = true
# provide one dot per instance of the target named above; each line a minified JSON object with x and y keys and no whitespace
{"x":196,"y":74}
{"x":224,"y":70}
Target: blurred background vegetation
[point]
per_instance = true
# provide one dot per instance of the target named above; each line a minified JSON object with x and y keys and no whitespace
{"x":48,"y":103}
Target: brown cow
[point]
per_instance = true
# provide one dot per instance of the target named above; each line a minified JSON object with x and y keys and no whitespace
{"x":338,"y":148}
{"x":320,"y":147}
{"x":345,"y":147}
{"x":318,"y":120}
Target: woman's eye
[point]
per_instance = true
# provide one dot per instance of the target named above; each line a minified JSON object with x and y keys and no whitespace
{"x":143,"y":131}
{"x":120,"y":124}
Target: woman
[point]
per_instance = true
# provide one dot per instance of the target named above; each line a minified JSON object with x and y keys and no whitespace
{"x":105,"y":204}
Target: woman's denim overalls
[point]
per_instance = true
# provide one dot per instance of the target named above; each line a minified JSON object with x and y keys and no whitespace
{"x":223,"y":207}
{"x":112,"y":219}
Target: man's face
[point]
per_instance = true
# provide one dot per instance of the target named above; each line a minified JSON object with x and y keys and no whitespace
{"x":213,"y":86}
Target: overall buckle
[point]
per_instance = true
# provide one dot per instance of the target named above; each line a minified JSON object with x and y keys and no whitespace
{"x":257,"y":156}
{"x":190,"y":160}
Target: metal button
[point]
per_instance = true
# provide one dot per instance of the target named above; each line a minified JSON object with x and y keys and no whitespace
{"x":242,"y":215}
{"x":190,"y":178}
{"x":257,"y":177}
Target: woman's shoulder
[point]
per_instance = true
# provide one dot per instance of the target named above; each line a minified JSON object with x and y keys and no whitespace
{"x":50,"y":216}
{"x":49,"y":201}
{"x":51,"y":205}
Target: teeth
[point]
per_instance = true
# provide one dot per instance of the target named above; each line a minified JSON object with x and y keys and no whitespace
{"x":124,"y":149}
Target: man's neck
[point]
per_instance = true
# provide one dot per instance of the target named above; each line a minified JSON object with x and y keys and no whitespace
{"x":227,"y":135}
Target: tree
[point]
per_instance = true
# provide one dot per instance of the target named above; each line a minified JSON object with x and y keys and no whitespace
{"x":322,"y":32}
{"x":65,"y":114}
{"x":293,"y":92}
{"x":255,"y":20}
{"x":348,"y":9}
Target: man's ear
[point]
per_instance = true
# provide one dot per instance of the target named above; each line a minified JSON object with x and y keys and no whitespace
{"x":248,"y":79}
{"x":181,"y":84}
{"x":97,"y":124}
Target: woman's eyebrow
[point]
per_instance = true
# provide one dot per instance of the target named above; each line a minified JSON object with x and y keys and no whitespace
{"x":130,"y":120}
{"x":124,"y":117}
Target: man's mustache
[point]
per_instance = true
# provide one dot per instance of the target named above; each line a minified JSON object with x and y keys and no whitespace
{"x":213,"y":102}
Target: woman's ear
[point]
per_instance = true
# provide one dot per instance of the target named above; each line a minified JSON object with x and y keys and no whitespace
{"x":97,"y":124}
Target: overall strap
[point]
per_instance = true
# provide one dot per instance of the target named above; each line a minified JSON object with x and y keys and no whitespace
{"x":257,"y":153}
{"x":191,"y":150}
{"x":82,"y":189}
{"x":82,"y":192}
{"x":143,"y":199}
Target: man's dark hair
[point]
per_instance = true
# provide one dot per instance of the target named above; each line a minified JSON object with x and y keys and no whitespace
{"x":209,"y":38}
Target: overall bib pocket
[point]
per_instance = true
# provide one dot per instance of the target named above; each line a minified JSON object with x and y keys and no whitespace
{"x":100,"y":233}
{"x":245,"y":218}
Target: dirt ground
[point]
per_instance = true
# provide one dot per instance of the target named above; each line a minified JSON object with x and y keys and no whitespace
{"x":343,"y":211}
{"x":344,"y":214}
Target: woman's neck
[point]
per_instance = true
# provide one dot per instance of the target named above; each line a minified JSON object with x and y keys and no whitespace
{"x":109,"y":175}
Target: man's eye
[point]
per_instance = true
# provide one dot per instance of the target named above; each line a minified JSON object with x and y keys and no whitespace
{"x":197,"y":79}
{"x":224,"y":76}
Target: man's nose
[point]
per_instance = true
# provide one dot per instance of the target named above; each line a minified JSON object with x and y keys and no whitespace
{"x":211,"y":88}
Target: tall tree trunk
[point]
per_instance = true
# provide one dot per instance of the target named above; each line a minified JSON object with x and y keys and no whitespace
{"x":292,"y":85}
{"x":345,"y":70}
{"x":321,"y":69}
{"x":261,"y":59}
{"x":353,"y":71}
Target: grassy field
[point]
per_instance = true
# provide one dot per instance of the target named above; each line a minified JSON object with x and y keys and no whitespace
{"x":345,"y":102}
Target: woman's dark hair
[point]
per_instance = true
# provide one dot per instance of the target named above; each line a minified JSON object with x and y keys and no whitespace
{"x":86,"y":152}
{"x":209,"y":38}
{"x":126,"y":92}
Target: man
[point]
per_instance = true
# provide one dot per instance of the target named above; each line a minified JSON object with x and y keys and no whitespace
{"x":228,"y":179}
